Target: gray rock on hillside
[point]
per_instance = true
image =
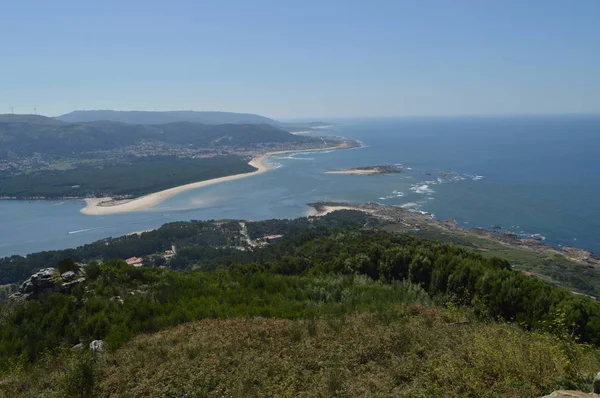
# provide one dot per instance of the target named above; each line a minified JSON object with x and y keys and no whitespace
{"x":46,"y":280}
{"x":570,"y":394}
{"x":578,"y":394}
{"x":35,"y":284}
{"x":66,"y":287}
{"x":597,"y":383}
{"x":68,"y":276}
{"x":97,"y":347}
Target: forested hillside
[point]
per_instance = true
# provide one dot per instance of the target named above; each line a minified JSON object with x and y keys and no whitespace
{"x":200,"y":244}
{"x":138,"y":177}
{"x":29,"y":135}
{"x":325,"y":281}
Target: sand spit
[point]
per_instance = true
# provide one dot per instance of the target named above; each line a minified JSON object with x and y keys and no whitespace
{"x":105,"y":206}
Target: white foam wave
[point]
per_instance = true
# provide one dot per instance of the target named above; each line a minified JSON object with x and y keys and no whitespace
{"x":81,"y":230}
{"x":410,"y":205}
{"x":423,"y":189}
{"x":290,"y":157}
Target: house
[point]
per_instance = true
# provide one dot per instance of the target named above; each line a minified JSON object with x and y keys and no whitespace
{"x":135,"y":261}
{"x":272,"y":238}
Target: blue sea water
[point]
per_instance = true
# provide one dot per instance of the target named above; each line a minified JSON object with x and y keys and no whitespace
{"x":529,"y":174}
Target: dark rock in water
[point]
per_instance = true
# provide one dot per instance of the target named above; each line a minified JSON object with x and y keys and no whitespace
{"x":68,"y":276}
{"x":496,"y":226}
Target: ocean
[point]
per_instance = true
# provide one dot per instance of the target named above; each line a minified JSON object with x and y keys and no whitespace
{"x":532,"y":175}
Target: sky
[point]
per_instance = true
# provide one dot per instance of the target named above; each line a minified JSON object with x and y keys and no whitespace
{"x":302,"y":59}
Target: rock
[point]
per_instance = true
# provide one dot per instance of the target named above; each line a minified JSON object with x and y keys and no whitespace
{"x":27,"y":287}
{"x":77,"y":346}
{"x":66,"y":287}
{"x":97,"y":346}
{"x":68,"y":276}
{"x":43,"y":279}
{"x":597,"y":383}
{"x":19,"y":296}
{"x":36,"y":283}
{"x":569,"y":394}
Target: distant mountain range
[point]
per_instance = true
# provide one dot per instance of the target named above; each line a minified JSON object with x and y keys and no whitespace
{"x":148,"y":117}
{"x":204,"y":117}
{"x":24,"y":135}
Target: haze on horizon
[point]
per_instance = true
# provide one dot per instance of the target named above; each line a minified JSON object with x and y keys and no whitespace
{"x":310,"y":59}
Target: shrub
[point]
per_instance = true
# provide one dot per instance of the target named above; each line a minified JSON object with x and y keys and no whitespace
{"x":80,"y":379}
{"x":66,"y":265}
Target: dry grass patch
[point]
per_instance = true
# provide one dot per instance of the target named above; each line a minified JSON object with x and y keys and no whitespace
{"x":410,"y":352}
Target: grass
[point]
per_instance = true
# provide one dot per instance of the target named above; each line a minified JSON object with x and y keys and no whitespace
{"x":407,"y":351}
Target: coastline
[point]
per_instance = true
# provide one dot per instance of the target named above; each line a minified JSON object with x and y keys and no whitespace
{"x":418,"y":221}
{"x":107,"y":206}
{"x":324,"y":210}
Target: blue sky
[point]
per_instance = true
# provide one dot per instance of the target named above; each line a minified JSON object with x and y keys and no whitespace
{"x":302,"y":59}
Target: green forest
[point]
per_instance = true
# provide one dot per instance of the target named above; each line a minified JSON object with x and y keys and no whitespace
{"x":138,"y":177}
{"x":317,"y":273}
{"x":200,"y":244}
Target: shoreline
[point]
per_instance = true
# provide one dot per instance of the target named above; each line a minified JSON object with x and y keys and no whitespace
{"x":418,"y":220}
{"x":107,"y":206}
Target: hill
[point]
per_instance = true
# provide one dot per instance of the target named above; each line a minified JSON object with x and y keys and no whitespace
{"x":25,"y":136}
{"x":42,"y":158}
{"x":150,"y":117}
{"x":324,"y":312}
{"x":32,"y":119}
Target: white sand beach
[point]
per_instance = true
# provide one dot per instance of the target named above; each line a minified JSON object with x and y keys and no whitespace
{"x":104,"y":206}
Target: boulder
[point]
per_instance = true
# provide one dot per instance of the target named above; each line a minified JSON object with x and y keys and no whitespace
{"x":68,"y":276}
{"x":570,"y":394}
{"x":37,"y":283}
{"x":18,"y":296}
{"x":77,"y":346}
{"x":97,"y":346}
{"x":27,"y":287}
{"x":43,"y":279}
{"x":66,"y":287}
{"x":597,"y":383}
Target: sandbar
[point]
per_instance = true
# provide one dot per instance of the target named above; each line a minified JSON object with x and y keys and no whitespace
{"x":106,"y":206}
